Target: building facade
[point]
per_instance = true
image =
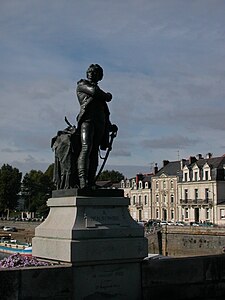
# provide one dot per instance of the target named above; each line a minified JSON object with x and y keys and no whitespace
{"x":202,"y":189}
{"x":190,"y":190}
{"x":138,"y":189}
{"x":165,"y":200}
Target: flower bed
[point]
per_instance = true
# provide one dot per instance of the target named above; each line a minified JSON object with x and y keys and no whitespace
{"x":19,"y":261}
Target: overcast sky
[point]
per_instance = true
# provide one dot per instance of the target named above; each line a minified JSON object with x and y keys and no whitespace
{"x":163,"y":61}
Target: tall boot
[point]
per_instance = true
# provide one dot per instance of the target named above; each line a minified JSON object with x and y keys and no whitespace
{"x":82,"y":178}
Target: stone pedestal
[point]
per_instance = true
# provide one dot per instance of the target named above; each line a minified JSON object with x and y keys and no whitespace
{"x":101,"y":240}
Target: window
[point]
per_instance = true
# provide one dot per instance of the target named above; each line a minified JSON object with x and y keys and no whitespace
{"x":157,"y":199}
{"x":195,"y":176}
{"x":186,"y":213}
{"x":196,"y":194}
{"x":134,"y":200}
{"x":172,"y":214}
{"x":164,"y":198}
{"x":206,"y":172}
{"x":172,"y":199}
{"x":146,"y":185}
{"x":140,"y":185}
{"x":171,"y":184}
{"x":207,"y":215}
{"x":206,"y":194}
{"x":164,"y":184}
{"x":157,"y":213}
{"x":139,"y":200}
{"x":157,"y":185}
{"x":186,"y":194}
{"x":146,"y":199}
{"x":222,"y":213}
{"x":185,"y":176}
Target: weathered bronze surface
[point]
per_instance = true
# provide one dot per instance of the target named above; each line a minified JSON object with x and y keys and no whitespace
{"x":76,"y":148}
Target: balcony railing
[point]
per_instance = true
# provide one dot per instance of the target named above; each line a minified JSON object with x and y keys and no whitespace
{"x":139,"y":205}
{"x":196,"y":201}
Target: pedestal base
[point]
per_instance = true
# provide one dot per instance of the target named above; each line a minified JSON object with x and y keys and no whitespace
{"x":87,"y":230}
{"x":100,"y":239}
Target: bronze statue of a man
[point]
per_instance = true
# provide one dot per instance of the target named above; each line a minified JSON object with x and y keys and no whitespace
{"x":93,"y":124}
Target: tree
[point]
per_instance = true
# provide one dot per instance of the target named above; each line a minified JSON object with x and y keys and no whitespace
{"x":36,"y":189}
{"x":10,"y":184}
{"x":113,"y":176}
{"x":49,"y":171}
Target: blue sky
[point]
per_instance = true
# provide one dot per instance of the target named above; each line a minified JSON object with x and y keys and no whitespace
{"x":163,"y":61}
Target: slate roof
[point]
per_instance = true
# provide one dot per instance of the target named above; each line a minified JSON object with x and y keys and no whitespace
{"x":173,"y":168}
{"x":213,"y":162}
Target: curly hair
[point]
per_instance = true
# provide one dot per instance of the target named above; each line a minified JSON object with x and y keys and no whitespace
{"x":97,"y":68}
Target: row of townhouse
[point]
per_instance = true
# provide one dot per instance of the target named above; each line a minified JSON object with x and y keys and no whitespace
{"x":189,"y":190}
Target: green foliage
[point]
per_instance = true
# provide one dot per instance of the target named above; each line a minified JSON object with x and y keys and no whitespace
{"x":36,"y":189}
{"x":10,"y":184}
{"x":49,"y":171}
{"x":113,"y":176}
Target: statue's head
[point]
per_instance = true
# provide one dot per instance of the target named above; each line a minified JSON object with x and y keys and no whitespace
{"x":94,"y":73}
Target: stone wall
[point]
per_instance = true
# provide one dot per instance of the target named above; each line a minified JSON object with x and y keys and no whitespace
{"x":162,"y":278}
{"x":184,"y":278}
{"x":187,"y":241}
{"x":40,"y":283}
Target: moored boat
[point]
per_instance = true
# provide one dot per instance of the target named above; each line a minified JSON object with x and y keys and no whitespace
{"x":10,"y":246}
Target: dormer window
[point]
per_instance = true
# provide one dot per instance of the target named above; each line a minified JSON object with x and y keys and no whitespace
{"x":157,"y":185}
{"x":206,"y":172}
{"x":146,"y":185}
{"x":196,"y":176}
{"x":186,"y":176}
{"x":140,"y":185}
{"x":128,"y":183}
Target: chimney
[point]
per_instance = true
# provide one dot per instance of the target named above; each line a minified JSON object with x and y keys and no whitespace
{"x":155,"y":169}
{"x":208,"y":155}
{"x":199,"y":156}
{"x":165,"y":162}
{"x":139,"y":177}
{"x":192,"y":159}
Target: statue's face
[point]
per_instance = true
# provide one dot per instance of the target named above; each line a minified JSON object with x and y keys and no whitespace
{"x":93,"y":75}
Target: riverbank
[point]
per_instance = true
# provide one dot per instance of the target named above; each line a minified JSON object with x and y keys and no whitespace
{"x":25,"y":230}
